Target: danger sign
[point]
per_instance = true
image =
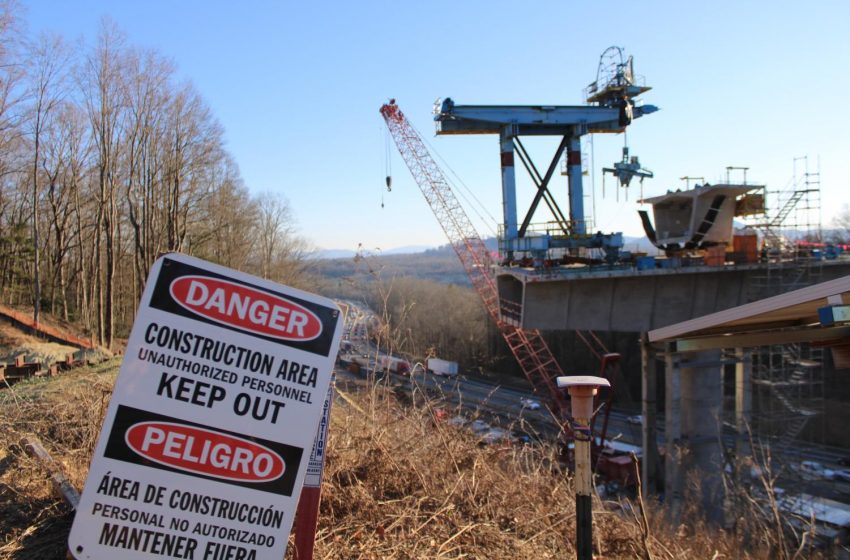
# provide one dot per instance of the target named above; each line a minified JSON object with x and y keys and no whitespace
{"x":208,"y":436}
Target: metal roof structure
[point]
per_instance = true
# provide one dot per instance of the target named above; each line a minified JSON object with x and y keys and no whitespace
{"x":788,"y":318}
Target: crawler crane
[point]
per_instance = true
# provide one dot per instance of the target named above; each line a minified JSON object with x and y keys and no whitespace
{"x":528,"y":346}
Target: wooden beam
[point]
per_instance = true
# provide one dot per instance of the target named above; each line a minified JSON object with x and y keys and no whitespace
{"x":763,"y":338}
{"x":61,"y":485}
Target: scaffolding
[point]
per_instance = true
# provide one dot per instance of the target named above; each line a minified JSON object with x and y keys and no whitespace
{"x":789,"y":234}
{"x":788,"y":390}
{"x":788,"y":380}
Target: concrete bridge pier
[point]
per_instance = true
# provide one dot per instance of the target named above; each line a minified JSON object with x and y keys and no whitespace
{"x":701,"y":456}
{"x":693,"y":392}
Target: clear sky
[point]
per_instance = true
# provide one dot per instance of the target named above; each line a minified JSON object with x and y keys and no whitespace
{"x":297,"y":86}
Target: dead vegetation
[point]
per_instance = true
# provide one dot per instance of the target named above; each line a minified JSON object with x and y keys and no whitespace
{"x":398,"y":484}
{"x":65,"y":414}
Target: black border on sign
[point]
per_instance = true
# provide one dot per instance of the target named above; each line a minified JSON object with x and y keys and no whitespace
{"x":127,"y":416}
{"x":172,"y":269}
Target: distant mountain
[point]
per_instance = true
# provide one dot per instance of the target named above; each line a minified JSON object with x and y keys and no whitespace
{"x":439,"y":264}
{"x":430,"y":265}
{"x":447,"y":249}
{"x":348,"y":253}
{"x":331,"y":254}
{"x":408,"y":250}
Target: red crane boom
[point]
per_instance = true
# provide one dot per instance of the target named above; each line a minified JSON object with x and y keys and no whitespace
{"x":528,"y":347}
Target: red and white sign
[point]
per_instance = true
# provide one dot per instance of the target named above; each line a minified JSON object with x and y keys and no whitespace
{"x":198,"y":450}
{"x":208,"y":436}
{"x":251,"y":310}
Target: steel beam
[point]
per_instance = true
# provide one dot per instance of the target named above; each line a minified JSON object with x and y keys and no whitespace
{"x":528,"y":119}
{"x":765,"y":338}
{"x":542,"y":184}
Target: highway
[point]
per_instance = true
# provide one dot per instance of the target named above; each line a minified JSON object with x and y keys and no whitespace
{"x":503,"y":407}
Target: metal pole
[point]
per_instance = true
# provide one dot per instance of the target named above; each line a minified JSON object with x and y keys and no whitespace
{"x":307,"y":511}
{"x":582,"y":389}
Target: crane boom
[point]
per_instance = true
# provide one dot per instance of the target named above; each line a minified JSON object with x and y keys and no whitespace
{"x":528,"y":346}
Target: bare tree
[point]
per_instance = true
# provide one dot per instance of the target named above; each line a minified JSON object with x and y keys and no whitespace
{"x":96,"y":181}
{"x":280,"y":251}
{"x":11,"y":76}
{"x":224,"y":232}
{"x":48,"y":63}
{"x":102,"y":90}
{"x":193,"y":146}
{"x":842,"y":223}
{"x":272,"y":226}
{"x":147,"y":90}
{"x":64,"y":165}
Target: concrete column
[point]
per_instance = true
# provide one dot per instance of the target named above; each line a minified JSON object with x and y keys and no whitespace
{"x":672,"y":436}
{"x":701,"y":397}
{"x":576,"y":191}
{"x":506,"y":150}
{"x":743,"y":400}
{"x":649,"y":435}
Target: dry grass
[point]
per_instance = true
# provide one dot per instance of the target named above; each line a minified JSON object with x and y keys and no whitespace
{"x":397,"y":486}
{"x":65,"y":414}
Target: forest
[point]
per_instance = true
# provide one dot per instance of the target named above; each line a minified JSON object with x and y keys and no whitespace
{"x":108,"y":159}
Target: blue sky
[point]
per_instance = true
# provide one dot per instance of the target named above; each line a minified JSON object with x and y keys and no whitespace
{"x":297,"y":86}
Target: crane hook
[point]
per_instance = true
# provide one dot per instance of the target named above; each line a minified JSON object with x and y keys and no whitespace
{"x":389,"y":183}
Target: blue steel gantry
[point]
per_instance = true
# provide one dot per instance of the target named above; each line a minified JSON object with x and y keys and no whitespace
{"x":611,"y":108}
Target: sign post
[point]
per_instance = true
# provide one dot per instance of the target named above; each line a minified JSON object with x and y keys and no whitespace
{"x":582,"y":388}
{"x":206,"y":441}
{"x":307,"y":514}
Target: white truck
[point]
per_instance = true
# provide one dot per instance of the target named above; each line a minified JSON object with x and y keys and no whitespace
{"x":441,"y":367}
{"x":395,"y":365}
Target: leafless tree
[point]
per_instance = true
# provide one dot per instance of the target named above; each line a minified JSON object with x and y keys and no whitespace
{"x":96,"y":180}
{"x":193,"y":144}
{"x":105,"y":104}
{"x":48,"y":63}
{"x":147,"y":90}
{"x":64,"y":166}
{"x":842,"y":223}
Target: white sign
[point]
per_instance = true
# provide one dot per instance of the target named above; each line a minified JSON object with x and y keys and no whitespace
{"x":208,"y":435}
{"x":316,"y":464}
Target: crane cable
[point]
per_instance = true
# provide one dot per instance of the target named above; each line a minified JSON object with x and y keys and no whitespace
{"x":382,"y":131}
{"x":388,"y":162}
{"x":475,"y":205}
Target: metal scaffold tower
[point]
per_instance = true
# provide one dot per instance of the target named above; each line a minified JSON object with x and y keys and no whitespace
{"x":788,"y":389}
{"x":790,"y":234}
{"x":788,"y":380}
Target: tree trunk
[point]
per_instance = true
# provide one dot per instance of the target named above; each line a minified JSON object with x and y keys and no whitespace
{"x":36,"y":265}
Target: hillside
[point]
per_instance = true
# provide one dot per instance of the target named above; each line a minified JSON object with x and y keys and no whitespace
{"x":438,"y":265}
{"x":397,"y":485}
